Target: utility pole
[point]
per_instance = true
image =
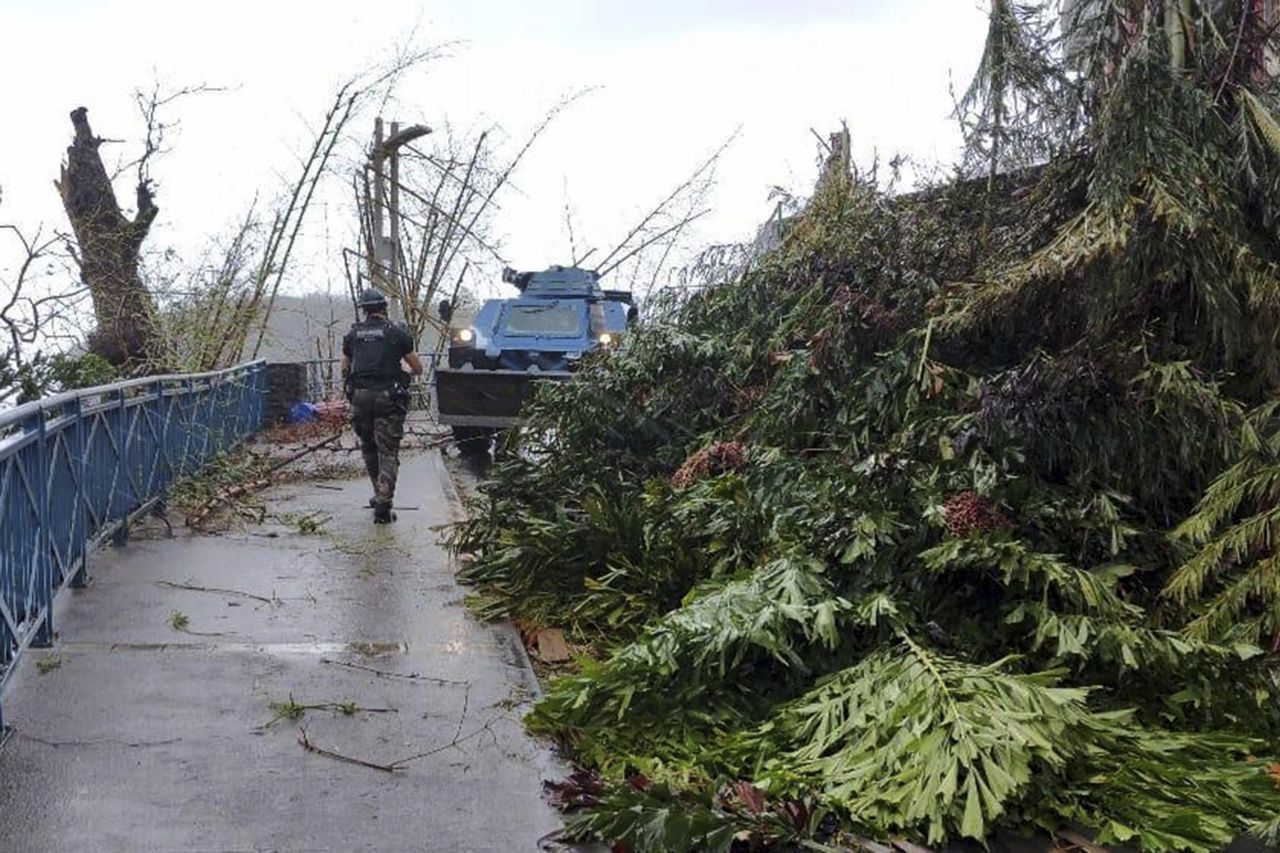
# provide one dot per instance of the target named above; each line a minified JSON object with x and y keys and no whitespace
{"x":384,"y":160}
{"x":393,"y":245}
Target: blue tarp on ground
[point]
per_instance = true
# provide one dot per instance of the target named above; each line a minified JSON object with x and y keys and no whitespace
{"x":302,"y":413}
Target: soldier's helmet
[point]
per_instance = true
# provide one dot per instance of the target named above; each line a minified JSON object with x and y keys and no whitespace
{"x":372,"y":300}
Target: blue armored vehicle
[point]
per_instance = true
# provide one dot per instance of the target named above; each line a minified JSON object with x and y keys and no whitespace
{"x":561,"y":314}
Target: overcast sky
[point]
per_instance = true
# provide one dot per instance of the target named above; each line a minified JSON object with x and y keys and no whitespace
{"x":674,"y":78}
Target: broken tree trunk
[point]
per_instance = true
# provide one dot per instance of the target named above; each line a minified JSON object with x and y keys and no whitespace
{"x":109,"y":244}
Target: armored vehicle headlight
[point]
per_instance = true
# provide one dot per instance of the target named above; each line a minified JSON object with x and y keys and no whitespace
{"x":608,"y":339}
{"x":464,"y":336}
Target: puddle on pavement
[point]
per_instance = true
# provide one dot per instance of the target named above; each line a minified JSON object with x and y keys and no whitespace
{"x":373,"y":649}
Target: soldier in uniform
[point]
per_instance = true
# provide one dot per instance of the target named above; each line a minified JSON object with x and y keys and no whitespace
{"x":378,"y":388}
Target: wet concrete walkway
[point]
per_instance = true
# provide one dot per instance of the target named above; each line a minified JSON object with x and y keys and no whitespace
{"x":149,"y":725}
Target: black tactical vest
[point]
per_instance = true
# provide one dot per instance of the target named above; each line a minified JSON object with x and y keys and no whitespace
{"x":375,"y":348}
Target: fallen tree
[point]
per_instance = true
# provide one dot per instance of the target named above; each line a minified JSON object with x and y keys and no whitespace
{"x":955,"y":513}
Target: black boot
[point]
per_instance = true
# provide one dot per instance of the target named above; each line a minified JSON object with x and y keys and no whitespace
{"x":382,"y":514}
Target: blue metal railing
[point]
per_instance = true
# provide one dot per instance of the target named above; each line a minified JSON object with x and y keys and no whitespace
{"x":76,"y":468}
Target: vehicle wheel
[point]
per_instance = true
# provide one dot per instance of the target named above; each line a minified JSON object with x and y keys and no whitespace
{"x":472,"y":441}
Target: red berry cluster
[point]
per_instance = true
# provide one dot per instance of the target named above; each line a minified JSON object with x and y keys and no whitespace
{"x":968,"y":513}
{"x":716,"y":459}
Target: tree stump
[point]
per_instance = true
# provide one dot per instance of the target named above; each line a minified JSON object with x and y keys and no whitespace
{"x":108,"y":246}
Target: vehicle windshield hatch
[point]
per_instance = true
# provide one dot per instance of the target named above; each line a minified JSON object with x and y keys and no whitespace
{"x":554,"y":318}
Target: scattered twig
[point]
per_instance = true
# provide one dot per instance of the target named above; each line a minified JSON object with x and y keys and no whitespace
{"x":487,"y":726}
{"x":411,"y":676}
{"x":159,"y":513}
{"x":61,"y":744}
{"x":306,"y":744}
{"x":307,"y":451}
{"x":273,"y":600}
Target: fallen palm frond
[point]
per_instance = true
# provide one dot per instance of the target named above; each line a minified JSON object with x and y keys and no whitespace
{"x":954,"y":514}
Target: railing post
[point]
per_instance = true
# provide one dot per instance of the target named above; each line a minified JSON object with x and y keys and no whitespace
{"x":121,"y":535}
{"x":156,"y":481}
{"x":242,"y":400}
{"x":42,"y":554}
{"x":78,"y":455}
{"x":188,"y":420}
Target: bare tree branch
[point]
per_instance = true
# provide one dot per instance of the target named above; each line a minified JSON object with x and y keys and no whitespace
{"x":449,"y":192}
{"x":349,"y":98}
{"x":702,"y":172}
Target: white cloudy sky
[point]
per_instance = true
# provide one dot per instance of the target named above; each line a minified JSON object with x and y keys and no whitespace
{"x":674,"y":78}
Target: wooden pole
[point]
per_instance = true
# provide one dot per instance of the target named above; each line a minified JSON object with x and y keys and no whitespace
{"x":376,"y":268}
{"x":393,"y":241}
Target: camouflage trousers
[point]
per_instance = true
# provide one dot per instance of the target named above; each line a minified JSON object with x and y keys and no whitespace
{"x":379,"y":424}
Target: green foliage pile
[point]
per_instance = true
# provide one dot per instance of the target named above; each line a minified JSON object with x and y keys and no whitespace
{"x":917,"y":531}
